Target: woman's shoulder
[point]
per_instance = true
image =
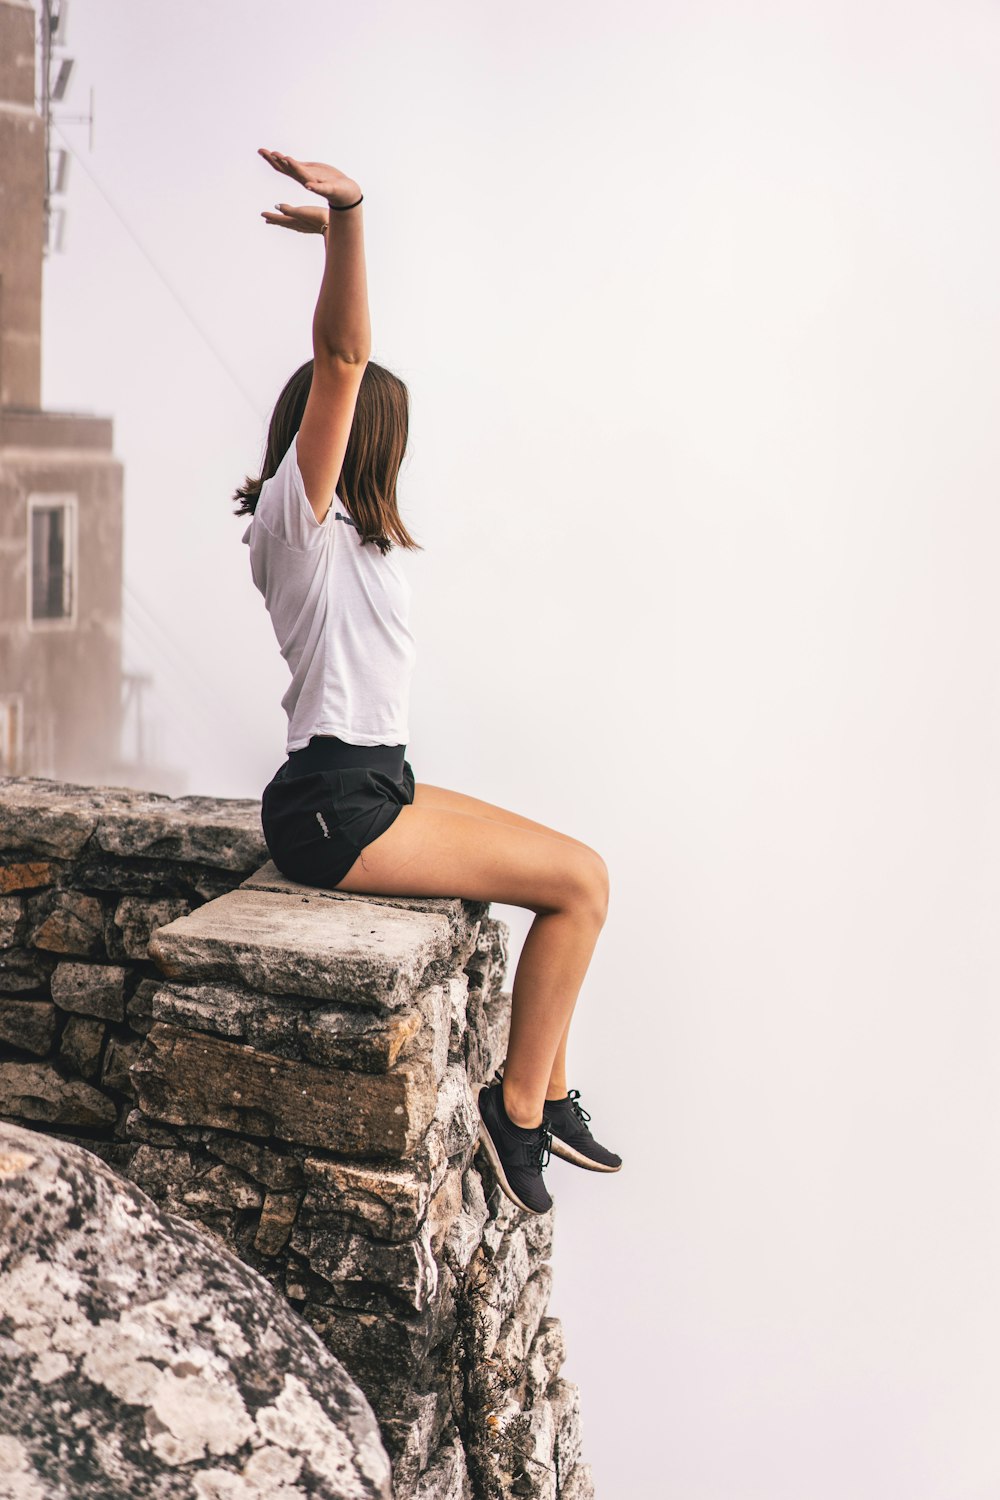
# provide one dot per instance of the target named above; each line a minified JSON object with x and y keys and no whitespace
{"x":283,"y":506}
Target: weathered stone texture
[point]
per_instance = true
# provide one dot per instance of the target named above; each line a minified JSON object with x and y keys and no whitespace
{"x":579,"y":1485}
{"x":43,"y":818}
{"x":456,"y":1116}
{"x":466,"y":1230}
{"x":356,"y":953}
{"x":272,"y":1168}
{"x":229,"y":1011}
{"x":35,"y":1091}
{"x":565,"y":1400}
{"x":277,"y":1216}
{"x":448,"y":1476}
{"x":356,"y":1265}
{"x":391,"y":1203}
{"x":185,"y":1078}
{"x":12,"y":920}
{"x":180,"y":1374}
{"x":518,"y":1331}
{"x":136,"y":918}
{"x":90,"y":989}
{"x":74,"y":923}
{"x":381,"y":1352}
{"x":463,"y":917}
{"x":139,"y":1007}
{"x":221,"y":832}
{"x":55,"y":820}
{"x":27,"y":876}
{"x":348,"y":1038}
{"x":24,"y":971}
{"x":80,"y":1045}
{"x":29,"y":1025}
{"x":118,"y":1059}
{"x":414,"y":1435}
{"x":180,"y":1182}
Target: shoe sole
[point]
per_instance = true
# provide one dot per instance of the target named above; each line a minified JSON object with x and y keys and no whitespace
{"x":568,"y":1153}
{"x":486,"y":1141}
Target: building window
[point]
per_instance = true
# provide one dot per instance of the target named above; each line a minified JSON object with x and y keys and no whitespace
{"x":52,"y":550}
{"x":11,"y":720}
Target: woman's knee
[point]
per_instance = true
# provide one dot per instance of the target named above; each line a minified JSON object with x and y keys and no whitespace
{"x":603,"y":880}
{"x":588,"y":885}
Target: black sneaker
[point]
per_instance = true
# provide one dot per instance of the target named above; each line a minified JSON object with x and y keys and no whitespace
{"x":571,"y":1137}
{"x":517,"y":1158}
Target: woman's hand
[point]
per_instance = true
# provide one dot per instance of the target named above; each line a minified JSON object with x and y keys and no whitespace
{"x":328,"y":182}
{"x":307,"y":218}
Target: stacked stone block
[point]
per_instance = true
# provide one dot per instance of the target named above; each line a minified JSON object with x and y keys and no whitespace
{"x":87,"y":874}
{"x":295,"y":1070}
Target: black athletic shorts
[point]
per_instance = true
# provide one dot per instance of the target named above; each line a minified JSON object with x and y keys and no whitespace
{"x":327,"y":802}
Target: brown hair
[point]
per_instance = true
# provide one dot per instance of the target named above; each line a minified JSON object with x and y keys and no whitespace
{"x":375,"y":449}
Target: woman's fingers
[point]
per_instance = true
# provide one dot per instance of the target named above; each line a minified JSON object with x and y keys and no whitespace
{"x":281,"y":163}
{"x":319,"y":177}
{"x":307,"y":218}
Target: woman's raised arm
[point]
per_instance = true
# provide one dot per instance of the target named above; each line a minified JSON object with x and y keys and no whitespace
{"x":341,"y":328}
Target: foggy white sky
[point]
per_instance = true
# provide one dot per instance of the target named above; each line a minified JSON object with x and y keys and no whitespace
{"x":698,"y":308}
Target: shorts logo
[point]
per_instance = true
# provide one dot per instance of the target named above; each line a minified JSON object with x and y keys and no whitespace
{"x":322,"y":824}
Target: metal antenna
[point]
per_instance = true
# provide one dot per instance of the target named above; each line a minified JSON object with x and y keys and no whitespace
{"x":52,"y":23}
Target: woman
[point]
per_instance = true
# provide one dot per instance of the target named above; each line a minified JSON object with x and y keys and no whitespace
{"x":344,"y":811}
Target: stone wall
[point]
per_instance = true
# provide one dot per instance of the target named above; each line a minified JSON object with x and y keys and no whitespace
{"x":294,"y":1070}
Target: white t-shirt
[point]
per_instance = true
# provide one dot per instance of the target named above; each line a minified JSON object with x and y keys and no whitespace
{"x":340,"y":612}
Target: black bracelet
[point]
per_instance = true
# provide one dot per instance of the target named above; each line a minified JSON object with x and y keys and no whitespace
{"x":343,"y":207}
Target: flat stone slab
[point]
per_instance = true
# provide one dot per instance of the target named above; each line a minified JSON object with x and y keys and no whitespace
{"x":190,"y":1078}
{"x":44,"y":818}
{"x":463,"y":915}
{"x":357,"y":952}
{"x":55,"y":819}
{"x":224,"y":832}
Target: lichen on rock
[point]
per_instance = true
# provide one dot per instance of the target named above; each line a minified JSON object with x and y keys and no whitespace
{"x":137,"y":1357}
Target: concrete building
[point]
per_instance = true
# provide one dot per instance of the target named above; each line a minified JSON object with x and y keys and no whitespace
{"x":61,"y":510}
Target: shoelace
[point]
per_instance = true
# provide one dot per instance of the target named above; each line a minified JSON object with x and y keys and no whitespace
{"x":581,"y":1114}
{"x":541,"y":1152}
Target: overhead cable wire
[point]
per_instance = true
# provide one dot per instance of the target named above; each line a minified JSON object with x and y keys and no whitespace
{"x":187,"y":667}
{"x":208,"y":701}
{"x":175,"y":294}
{"x":173,"y":723}
{"x":200,"y":710}
{"x":166,"y":678}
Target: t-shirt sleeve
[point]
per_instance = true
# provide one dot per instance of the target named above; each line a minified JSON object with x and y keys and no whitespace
{"x":283,"y":505}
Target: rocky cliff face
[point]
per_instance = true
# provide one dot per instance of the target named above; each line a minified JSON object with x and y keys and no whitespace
{"x":138,"y":1358}
{"x":294,"y":1071}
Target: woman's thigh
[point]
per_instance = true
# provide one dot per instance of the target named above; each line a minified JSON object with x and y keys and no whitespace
{"x":425,"y":795}
{"x":433,"y":851}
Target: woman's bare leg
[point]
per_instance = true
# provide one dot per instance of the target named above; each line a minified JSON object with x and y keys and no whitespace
{"x":433,"y":851}
{"x":426,"y":795}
